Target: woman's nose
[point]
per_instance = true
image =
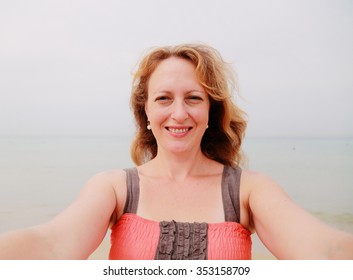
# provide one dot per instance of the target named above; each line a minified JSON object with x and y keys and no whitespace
{"x":179,"y":111}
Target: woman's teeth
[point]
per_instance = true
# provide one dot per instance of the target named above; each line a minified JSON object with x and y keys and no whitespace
{"x":178,"y":130}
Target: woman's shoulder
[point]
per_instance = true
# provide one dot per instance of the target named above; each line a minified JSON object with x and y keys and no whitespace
{"x":255,"y":179}
{"x":259,"y":186}
{"x":111,"y":177}
{"x":256,"y":188}
{"x":114,"y":180}
{"x":109,"y":180}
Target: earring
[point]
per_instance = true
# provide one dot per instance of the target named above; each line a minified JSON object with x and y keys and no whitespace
{"x":206,"y":126}
{"x":148,"y":125}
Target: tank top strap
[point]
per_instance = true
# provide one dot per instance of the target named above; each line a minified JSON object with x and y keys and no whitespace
{"x":133,"y":190}
{"x":230,"y":193}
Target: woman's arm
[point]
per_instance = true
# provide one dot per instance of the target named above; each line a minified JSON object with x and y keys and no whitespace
{"x":76,"y":232}
{"x":287,"y":230}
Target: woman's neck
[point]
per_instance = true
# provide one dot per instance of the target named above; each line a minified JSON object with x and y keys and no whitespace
{"x":179,"y":166}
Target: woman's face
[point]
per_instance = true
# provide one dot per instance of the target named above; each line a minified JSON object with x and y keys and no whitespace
{"x":177,"y":106}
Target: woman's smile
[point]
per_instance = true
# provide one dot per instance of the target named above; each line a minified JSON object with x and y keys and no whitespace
{"x":178,"y":131}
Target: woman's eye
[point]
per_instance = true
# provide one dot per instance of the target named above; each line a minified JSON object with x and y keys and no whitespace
{"x":194,"y":99}
{"x":162,"y":99}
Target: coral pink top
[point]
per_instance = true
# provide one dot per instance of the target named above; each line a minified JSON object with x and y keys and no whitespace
{"x":134,"y":237}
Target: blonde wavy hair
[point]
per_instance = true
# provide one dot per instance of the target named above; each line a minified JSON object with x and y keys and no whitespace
{"x":227,"y":123}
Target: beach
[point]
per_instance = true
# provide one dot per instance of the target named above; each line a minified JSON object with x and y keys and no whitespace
{"x":41,"y":176}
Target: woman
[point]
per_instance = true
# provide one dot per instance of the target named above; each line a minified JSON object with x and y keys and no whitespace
{"x":187,"y":198}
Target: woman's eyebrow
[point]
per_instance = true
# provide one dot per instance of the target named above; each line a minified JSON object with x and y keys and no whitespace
{"x":162,"y":91}
{"x":195,"y":90}
{"x":170,"y":92}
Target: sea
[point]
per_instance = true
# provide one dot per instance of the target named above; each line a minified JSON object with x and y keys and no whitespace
{"x":40,"y":176}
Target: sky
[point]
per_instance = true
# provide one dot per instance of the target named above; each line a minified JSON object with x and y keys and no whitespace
{"x":66,"y":66}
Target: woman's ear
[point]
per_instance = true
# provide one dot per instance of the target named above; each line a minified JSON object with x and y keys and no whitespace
{"x":146,"y":110}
